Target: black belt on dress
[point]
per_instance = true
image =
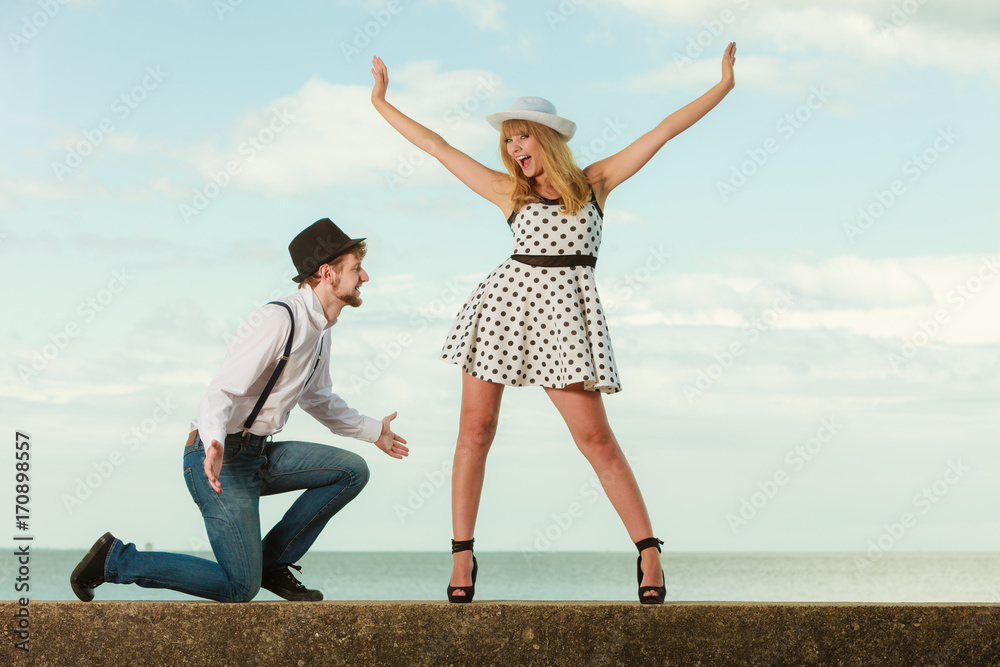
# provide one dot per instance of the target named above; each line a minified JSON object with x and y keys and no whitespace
{"x":556,"y":260}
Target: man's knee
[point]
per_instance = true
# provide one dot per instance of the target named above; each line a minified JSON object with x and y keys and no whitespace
{"x":244,"y":592}
{"x":360,"y":473}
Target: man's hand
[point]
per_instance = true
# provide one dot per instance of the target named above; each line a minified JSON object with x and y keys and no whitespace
{"x":389,"y":442}
{"x":213,"y":464}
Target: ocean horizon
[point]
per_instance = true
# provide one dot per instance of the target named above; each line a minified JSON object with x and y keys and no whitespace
{"x":607,"y":576}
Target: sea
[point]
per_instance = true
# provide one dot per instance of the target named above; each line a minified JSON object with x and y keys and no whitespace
{"x":610,"y":576}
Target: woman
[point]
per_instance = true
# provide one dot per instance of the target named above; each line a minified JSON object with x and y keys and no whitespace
{"x":537,"y":320}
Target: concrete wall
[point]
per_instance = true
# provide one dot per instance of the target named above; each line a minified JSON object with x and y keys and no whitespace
{"x":503,"y":633}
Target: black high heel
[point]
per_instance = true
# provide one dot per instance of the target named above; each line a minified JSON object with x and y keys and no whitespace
{"x":470,"y":591}
{"x":661,"y":591}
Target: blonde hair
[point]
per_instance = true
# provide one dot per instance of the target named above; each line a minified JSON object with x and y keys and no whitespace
{"x":359,"y":251}
{"x":558,"y":164}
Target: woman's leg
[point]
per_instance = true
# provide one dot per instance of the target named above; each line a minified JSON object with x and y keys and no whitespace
{"x":584,"y":414}
{"x":476,"y":428}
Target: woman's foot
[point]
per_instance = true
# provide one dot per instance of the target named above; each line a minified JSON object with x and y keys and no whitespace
{"x":652,"y":571}
{"x":649,"y":572}
{"x":464,"y":570}
{"x":461,"y":572}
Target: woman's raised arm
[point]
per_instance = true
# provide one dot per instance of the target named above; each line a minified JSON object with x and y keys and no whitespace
{"x":607,"y":174}
{"x":493,"y":185}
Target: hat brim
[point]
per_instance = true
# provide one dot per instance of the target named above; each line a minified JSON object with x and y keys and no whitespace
{"x":565,"y":127}
{"x":344,"y":248}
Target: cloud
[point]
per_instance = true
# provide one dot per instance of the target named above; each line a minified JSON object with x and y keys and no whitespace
{"x":967,"y":15}
{"x":621,"y":216}
{"x":48,"y":188}
{"x":480,"y":13}
{"x":961,"y":39}
{"x":797,"y":79}
{"x":187,"y":378}
{"x":887,"y":299}
{"x":85,"y":187}
{"x":843,"y":281}
{"x":323,"y":135}
{"x":331,"y":135}
{"x":62,"y":393}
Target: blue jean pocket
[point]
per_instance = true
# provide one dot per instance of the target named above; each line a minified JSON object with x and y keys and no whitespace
{"x":231,"y":451}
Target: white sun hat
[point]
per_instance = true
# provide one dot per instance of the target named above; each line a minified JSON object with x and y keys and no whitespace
{"x":535,"y":109}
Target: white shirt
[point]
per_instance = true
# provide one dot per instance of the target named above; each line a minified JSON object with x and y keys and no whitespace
{"x":260,"y":342}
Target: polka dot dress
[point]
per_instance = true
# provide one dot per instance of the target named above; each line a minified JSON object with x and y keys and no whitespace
{"x":530,"y":325}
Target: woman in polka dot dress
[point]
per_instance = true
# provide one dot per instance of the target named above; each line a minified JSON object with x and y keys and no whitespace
{"x":537,"y":320}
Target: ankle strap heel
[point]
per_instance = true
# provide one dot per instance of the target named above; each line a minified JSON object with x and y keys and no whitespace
{"x":659,"y":592}
{"x":458,"y":546}
{"x":645,"y":544}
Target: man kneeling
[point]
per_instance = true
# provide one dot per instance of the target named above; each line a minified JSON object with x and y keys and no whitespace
{"x":230,"y":460}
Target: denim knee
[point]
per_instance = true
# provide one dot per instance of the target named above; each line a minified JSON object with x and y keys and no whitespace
{"x":360,"y":473}
{"x":243,"y":592}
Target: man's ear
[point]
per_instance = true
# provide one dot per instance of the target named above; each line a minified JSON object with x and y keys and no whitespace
{"x":326,"y":273}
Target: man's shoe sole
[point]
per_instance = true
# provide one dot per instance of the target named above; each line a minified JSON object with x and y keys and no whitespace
{"x":85,"y":593}
{"x":293,"y":597}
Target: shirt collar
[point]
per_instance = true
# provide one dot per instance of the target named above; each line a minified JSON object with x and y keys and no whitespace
{"x":315,"y":310}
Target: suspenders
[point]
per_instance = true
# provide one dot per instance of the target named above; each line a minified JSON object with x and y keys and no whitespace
{"x":277,"y":371}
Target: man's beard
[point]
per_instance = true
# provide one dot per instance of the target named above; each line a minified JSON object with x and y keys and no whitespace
{"x":351,"y":299}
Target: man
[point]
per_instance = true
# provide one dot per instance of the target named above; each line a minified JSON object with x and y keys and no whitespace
{"x":281,"y":358}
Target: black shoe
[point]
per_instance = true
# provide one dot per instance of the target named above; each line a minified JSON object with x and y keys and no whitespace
{"x":470,"y":591}
{"x":661,"y":591}
{"x":283,"y":583}
{"x":89,"y":574}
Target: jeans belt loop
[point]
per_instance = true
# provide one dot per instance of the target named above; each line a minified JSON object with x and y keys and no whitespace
{"x":246,"y":438}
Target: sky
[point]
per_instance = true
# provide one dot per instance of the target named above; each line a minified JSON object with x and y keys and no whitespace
{"x":803,"y":289}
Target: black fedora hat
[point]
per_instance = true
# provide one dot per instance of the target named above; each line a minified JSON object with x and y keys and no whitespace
{"x":319,"y":243}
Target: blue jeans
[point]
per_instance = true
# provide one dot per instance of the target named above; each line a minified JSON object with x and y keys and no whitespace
{"x":332,"y":478}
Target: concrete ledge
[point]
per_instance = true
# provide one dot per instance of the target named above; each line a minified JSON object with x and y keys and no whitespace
{"x":504,"y":633}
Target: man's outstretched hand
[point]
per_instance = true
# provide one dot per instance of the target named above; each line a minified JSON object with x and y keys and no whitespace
{"x":388,"y":442}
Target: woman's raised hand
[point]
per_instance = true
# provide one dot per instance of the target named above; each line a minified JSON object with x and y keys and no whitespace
{"x":381,"y":76}
{"x":728,"y":60}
